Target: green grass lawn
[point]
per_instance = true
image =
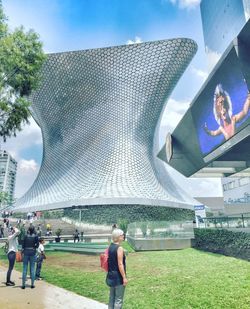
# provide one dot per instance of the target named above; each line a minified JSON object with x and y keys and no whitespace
{"x":164,"y":279}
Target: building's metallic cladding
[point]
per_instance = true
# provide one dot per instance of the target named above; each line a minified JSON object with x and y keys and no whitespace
{"x":98,"y":110}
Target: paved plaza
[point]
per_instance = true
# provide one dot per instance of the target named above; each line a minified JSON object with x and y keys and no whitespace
{"x":42,"y":297}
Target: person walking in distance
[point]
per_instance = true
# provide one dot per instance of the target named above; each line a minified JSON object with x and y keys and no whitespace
{"x":116,"y":276}
{"x":39,"y":231}
{"x":76,"y":236}
{"x":12,"y":243}
{"x":1,"y":231}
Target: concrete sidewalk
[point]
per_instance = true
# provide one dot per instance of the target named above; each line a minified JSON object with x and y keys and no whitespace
{"x":44,"y":295}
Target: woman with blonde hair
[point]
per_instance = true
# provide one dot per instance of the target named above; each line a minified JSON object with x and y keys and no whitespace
{"x":116,"y":277}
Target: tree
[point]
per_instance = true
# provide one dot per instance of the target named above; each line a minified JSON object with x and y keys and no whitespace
{"x":123,"y":225}
{"x":4,"y":197}
{"x":21,"y":59}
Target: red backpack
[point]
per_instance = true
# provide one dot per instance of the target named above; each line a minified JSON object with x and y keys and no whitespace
{"x":104,"y":260}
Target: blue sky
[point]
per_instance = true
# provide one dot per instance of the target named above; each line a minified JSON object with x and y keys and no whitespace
{"x":66,"y":25}
{"x":82,"y":24}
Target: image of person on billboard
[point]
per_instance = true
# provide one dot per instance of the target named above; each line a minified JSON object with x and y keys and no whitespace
{"x":223,"y":113}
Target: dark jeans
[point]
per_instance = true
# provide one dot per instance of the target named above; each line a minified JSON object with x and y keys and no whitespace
{"x":12,"y":259}
{"x":39,"y":263}
{"x":26,"y":260}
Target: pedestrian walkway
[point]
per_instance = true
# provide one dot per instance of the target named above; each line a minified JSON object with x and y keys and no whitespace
{"x":44,"y":296}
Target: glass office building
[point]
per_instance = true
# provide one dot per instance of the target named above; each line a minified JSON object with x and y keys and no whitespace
{"x":222,"y":21}
{"x":8,"y":167}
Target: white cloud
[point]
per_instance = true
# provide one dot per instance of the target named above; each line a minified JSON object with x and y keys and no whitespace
{"x":184,"y":4}
{"x":28,"y":137}
{"x":32,"y":131}
{"x":202,"y":74}
{"x":213,"y":57}
{"x":208,"y":187}
{"x":135,"y":41}
{"x":27,"y":171}
{"x":173,"y":113}
{"x":189,"y":4}
{"x":197,"y":187}
{"x":28,"y":165}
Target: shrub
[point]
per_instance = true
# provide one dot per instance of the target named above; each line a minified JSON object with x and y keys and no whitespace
{"x":123,"y":225}
{"x":108,"y":214}
{"x":236,"y":244}
{"x":58,"y":232}
{"x":144,"y":227}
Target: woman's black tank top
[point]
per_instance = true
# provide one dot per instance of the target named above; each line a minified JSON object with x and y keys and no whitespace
{"x":114,"y":277}
{"x":112,"y":260}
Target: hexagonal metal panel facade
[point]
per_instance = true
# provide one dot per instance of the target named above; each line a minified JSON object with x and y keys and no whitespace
{"x":98,"y":111}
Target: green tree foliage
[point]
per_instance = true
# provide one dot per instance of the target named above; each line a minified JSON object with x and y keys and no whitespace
{"x":21,"y":58}
{"x":123,"y":225}
{"x":108,"y":214}
{"x":4,"y":197}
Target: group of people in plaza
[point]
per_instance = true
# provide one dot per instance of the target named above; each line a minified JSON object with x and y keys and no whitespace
{"x":6,"y":222}
{"x":32,"y":254}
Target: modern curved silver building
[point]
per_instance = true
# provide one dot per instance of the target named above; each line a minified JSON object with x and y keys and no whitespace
{"x":99,"y":111}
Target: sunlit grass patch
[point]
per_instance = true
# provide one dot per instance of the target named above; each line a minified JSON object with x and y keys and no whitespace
{"x":158,"y":279}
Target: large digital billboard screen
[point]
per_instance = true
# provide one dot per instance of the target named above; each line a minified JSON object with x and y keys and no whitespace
{"x":223,"y":108}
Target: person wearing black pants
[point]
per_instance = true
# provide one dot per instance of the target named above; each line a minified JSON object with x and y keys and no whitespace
{"x":12,"y":240}
{"x":76,"y":236}
{"x":116,"y":276}
{"x":30,"y":244}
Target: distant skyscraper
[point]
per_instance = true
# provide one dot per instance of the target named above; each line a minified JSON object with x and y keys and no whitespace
{"x":222,"y":21}
{"x":8,"y":167}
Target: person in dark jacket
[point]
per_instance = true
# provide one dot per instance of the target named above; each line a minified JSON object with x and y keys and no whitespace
{"x":116,"y":276}
{"x":30,"y":244}
{"x":76,"y":236}
{"x":1,"y":231}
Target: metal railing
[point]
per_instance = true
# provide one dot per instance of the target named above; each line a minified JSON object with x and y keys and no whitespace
{"x":240,"y":222}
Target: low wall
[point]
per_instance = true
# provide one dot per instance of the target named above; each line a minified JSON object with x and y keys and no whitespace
{"x":87,"y":238}
{"x":88,"y":226}
{"x":150,"y":244}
